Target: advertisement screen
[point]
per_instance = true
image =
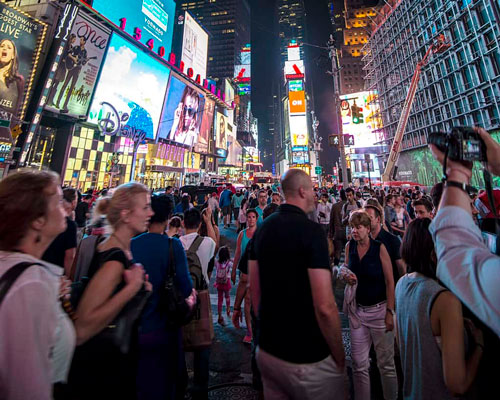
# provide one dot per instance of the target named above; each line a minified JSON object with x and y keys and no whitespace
{"x":136,"y":104}
{"x":361,"y":118}
{"x":154,"y":18}
{"x":207,"y":123}
{"x":221,"y":131}
{"x":194,"y":46}
{"x":298,"y":130}
{"x":76,"y":74}
{"x":296,"y":86}
{"x":297,"y":102}
{"x":20,"y":40}
{"x":182,"y":113}
{"x":300,"y":157}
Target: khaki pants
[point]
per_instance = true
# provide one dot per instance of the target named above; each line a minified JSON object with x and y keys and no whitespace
{"x":317,"y":381}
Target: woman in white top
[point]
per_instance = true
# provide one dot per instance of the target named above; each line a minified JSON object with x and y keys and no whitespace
{"x":37,"y":337}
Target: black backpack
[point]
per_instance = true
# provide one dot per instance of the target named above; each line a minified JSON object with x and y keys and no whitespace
{"x":194,"y":264}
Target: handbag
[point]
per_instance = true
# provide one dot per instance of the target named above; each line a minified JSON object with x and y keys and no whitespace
{"x":118,"y":334}
{"x":199,"y":333}
{"x":172,"y":302}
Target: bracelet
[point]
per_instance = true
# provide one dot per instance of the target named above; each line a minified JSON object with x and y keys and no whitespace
{"x":462,"y":186}
{"x":480,"y":346}
{"x":391,"y":311}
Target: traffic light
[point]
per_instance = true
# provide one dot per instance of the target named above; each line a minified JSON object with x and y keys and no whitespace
{"x":333,"y":140}
{"x":357,"y":114}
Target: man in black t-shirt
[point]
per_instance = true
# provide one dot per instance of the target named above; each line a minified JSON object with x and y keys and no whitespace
{"x":300,"y":352}
{"x":391,"y":242}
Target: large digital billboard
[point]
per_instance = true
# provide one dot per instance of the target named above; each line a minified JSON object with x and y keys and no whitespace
{"x":221,"y":131}
{"x":194,"y":46}
{"x":150,"y":19}
{"x":130,"y":91}
{"x":298,"y":130}
{"x":297,"y":102}
{"x":361,"y":118}
{"x":182,"y":113}
{"x":206,"y":127}
{"x":243,"y":71}
{"x":76,"y":74}
{"x":21,"y":37}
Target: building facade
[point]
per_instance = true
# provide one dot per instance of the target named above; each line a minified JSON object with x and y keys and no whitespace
{"x":228,"y":25}
{"x":460,"y":87}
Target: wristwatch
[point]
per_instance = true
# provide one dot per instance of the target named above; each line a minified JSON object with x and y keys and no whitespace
{"x":391,"y":311}
{"x":461,"y":185}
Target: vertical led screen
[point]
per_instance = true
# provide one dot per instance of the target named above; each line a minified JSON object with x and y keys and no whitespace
{"x":130,"y":93}
{"x":21,"y":37}
{"x":194,"y":46}
{"x":182,"y":113}
{"x":151,"y":19}
{"x":76,"y":74}
{"x":206,"y":127}
{"x":221,"y":131}
{"x":361,"y":118}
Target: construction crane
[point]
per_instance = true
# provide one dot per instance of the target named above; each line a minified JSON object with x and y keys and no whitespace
{"x":439,"y":46}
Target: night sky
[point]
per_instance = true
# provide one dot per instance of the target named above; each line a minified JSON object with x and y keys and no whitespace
{"x":265,"y":65}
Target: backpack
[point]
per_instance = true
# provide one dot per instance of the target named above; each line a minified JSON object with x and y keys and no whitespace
{"x":194,"y":264}
{"x":221,"y":276}
{"x":80,"y":270}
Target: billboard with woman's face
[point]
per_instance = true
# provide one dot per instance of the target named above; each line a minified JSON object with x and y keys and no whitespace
{"x":20,"y":41}
{"x":221,"y":131}
{"x":182,"y":113}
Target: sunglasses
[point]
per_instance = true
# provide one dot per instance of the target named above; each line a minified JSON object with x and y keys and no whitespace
{"x":191,"y":111}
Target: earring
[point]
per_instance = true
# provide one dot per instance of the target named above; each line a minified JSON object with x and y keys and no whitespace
{"x":38,"y":238}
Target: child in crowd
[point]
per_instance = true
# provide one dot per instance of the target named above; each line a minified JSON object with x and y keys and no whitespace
{"x":223,"y":267}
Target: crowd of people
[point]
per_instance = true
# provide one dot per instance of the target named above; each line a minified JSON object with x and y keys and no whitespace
{"x":102,"y":295}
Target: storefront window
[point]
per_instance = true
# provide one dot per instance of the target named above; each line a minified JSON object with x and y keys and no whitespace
{"x":41,"y":153}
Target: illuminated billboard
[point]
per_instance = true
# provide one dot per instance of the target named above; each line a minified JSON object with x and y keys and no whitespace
{"x":76,"y":73}
{"x":194,"y":46}
{"x":133,"y":108}
{"x":182,"y":113}
{"x":221,"y":131}
{"x":243,"y":72}
{"x":148,"y":19}
{"x":21,"y":37}
{"x":298,"y":130}
{"x":361,"y":118}
{"x":294,"y":70}
{"x":206,"y":127}
{"x":296,"y":85}
{"x":297,"y":102}
{"x":300,"y":157}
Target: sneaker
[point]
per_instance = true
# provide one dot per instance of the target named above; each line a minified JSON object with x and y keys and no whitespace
{"x":247,"y":339}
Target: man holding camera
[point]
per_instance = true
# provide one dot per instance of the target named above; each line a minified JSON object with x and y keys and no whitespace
{"x":465,"y":264}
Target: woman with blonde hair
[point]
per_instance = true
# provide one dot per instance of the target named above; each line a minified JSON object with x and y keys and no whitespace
{"x":37,"y":338}
{"x":101,"y":370}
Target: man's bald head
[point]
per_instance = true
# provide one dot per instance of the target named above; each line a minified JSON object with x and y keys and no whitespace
{"x":292,"y":181}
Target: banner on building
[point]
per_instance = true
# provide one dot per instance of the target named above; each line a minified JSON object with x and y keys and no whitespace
{"x":77,"y":71}
{"x":21,"y":38}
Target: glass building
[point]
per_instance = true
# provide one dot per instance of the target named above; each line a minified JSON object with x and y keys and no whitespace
{"x":459,"y":87}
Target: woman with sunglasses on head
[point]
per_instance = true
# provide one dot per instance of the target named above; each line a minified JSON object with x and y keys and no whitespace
{"x":37,"y":338}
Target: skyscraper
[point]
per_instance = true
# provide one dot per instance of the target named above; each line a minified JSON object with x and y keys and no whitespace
{"x":351,"y":20}
{"x":228,"y":25}
{"x":291,"y":23}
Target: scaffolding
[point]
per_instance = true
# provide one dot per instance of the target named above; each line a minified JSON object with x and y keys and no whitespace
{"x":461,"y":87}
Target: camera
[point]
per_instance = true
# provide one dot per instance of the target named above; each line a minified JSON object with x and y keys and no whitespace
{"x":462,"y":144}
